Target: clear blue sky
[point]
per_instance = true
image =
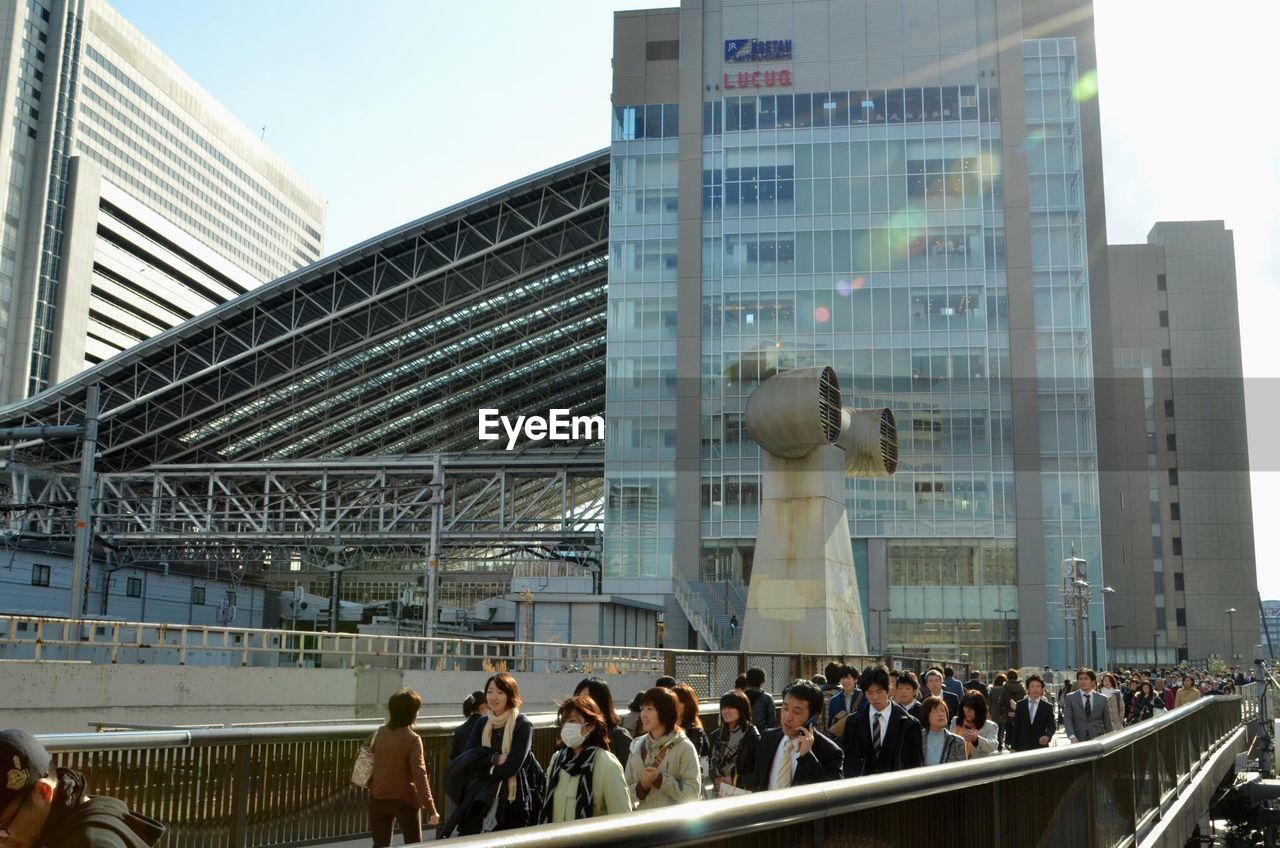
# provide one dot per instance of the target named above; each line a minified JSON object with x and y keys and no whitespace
{"x":396,"y":108}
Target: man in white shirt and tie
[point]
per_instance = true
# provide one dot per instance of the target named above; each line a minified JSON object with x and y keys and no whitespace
{"x":795,"y":754}
{"x":1086,"y":715}
{"x":1033,"y":722}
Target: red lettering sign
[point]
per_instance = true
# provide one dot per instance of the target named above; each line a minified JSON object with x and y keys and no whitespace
{"x":757,"y":79}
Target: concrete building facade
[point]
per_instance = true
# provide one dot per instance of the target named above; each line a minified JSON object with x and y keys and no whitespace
{"x":1178,"y":526}
{"x":132,"y":200}
{"x":910,"y":192}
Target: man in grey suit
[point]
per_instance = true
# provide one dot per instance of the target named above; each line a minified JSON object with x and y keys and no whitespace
{"x":1085,"y":712}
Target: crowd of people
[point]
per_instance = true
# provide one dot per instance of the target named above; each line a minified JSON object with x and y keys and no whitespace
{"x":844,"y":723}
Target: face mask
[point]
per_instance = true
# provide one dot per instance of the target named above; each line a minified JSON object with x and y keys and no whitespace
{"x":571,"y":735}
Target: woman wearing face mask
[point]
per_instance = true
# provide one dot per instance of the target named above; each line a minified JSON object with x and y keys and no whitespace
{"x":584,"y":779}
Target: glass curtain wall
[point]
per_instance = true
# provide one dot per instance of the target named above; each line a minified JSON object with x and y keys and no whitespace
{"x":864,"y":229}
{"x":1064,"y":346}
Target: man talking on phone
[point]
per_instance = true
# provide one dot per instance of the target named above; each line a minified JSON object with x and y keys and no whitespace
{"x":796,"y":754}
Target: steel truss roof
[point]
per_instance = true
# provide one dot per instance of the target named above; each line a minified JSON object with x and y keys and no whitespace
{"x":389,"y":347}
{"x":307,"y":413}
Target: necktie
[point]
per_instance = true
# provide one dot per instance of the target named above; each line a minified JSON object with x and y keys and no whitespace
{"x":785,"y":766}
{"x":875,"y":737}
{"x":1086,"y":707}
{"x":1031,"y":710}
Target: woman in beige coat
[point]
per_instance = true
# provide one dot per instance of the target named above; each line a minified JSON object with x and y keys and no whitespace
{"x":663,"y":768}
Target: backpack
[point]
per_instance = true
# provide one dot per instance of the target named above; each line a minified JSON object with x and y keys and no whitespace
{"x":537,"y":780}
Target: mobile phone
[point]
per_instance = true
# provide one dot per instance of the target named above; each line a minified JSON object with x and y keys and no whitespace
{"x":812,"y":722}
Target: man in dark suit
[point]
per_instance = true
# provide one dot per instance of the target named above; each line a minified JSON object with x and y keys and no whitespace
{"x":905,"y":692}
{"x":933,"y":686}
{"x":1033,"y":719}
{"x":880,"y":736}
{"x":975,"y":682}
{"x":796,"y":754}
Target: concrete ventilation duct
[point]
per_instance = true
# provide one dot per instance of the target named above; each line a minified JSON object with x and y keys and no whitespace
{"x":869,"y":438}
{"x":794,"y":412}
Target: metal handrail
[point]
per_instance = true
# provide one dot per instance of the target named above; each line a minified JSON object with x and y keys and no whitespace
{"x":715,"y":821}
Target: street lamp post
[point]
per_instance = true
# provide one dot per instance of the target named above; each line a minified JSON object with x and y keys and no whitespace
{"x":1231,"y":618}
{"x":1075,"y":597}
{"x":1107,"y":592}
{"x":880,"y":628}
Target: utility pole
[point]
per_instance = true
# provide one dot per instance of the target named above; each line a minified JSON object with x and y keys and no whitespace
{"x":433,"y":555}
{"x":83,"y":549}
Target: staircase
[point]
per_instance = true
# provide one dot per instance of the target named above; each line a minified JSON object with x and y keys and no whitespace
{"x":710,"y":606}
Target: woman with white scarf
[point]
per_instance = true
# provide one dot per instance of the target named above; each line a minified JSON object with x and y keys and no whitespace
{"x":1110,"y":689}
{"x":511,"y":735}
{"x":584,"y":779}
{"x":663,"y":768}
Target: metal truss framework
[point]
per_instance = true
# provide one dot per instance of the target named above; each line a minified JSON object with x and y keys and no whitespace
{"x":385,"y":348}
{"x":271,"y":512}
{"x":305,"y":414}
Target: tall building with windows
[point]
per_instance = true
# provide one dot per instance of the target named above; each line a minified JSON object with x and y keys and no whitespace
{"x":910,"y":191}
{"x":133,"y":200}
{"x":1178,"y":525}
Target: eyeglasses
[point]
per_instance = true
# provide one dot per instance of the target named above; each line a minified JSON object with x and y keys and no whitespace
{"x":4,"y":831}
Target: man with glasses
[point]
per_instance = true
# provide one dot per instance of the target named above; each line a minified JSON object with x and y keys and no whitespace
{"x":42,"y":807}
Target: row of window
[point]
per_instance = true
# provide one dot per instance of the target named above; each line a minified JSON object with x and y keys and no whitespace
{"x":42,"y":574}
{"x":198,"y":138}
{"x":851,"y":108}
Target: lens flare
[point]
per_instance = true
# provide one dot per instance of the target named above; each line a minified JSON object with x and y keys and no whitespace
{"x":1086,"y":87}
{"x":843,"y":287}
{"x":822,"y":315}
{"x":858,"y":282}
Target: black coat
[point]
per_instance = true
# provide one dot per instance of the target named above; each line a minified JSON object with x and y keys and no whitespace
{"x":953,"y":703}
{"x":980,"y":686}
{"x":822,"y":763}
{"x":462,"y":734}
{"x":100,"y":822}
{"x":1023,"y":735}
{"x":471,"y":790}
{"x":525,"y":808}
{"x":620,"y":744}
{"x":764,"y":714}
{"x":744,"y":761}
{"x":899,"y":749}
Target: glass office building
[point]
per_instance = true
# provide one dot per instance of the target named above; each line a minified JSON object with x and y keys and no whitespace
{"x":792,"y":187}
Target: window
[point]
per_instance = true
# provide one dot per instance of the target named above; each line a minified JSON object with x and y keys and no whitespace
{"x":1177,"y":545}
{"x":1171,"y":442}
{"x":1168,"y":409}
{"x":1180,"y":616}
{"x":1164,"y":317}
{"x":1161,"y":283}
{"x":1173,"y":476}
{"x":40,"y":575}
{"x":1166,"y":358}
{"x":1178,"y":583}
{"x":1175,"y":511}
{"x":133,"y":588}
{"x":197,"y":595}
{"x":656,"y":51}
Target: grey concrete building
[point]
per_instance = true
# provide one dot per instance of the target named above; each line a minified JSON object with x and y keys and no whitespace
{"x":1177,"y":513}
{"x":133,"y":199}
{"x":910,"y":191}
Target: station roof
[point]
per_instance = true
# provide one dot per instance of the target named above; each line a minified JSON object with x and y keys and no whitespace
{"x":389,"y":347}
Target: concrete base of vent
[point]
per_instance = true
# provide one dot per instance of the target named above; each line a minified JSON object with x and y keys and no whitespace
{"x":803,"y":595}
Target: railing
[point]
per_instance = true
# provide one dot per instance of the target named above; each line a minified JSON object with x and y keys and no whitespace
{"x":700,"y":616}
{"x":252,"y":787}
{"x":119,"y":642}
{"x":1107,"y":793}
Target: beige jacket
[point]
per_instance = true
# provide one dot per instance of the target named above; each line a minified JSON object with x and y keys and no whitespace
{"x":681,"y":773}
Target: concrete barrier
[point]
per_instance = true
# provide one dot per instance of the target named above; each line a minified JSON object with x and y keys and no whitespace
{"x":61,"y":697}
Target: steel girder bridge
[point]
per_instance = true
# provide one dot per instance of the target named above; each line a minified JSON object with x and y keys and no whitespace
{"x":310,"y":413}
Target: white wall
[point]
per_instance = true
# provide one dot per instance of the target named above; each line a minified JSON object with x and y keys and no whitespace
{"x":57,"y":697}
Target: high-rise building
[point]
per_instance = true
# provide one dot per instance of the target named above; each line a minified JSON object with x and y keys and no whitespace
{"x":910,"y":191}
{"x":1178,"y":514}
{"x":133,"y":199}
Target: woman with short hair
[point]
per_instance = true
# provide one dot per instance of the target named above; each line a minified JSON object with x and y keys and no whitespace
{"x":399,"y":787}
{"x":585,"y":779}
{"x":663,"y":769}
{"x":733,"y":756}
{"x":939,"y":744}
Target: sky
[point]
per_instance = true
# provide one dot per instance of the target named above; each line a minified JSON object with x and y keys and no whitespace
{"x":396,"y":108}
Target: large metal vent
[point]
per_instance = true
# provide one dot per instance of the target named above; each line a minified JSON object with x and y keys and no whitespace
{"x":829,"y":404}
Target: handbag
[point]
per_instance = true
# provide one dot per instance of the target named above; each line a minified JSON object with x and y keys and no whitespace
{"x":362,"y":770}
